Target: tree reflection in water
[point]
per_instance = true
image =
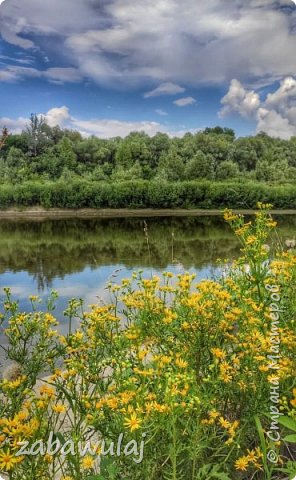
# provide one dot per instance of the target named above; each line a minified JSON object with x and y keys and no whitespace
{"x":49,"y":249}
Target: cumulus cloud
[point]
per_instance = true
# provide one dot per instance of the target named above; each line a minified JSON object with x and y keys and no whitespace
{"x":273,"y":123}
{"x":183,"y":102}
{"x":278,"y":113}
{"x":167,"y":88}
{"x":123,"y":42}
{"x":275,"y":115}
{"x":239,"y":100}
{"x":57,"y":116}
{"x":283,"y":97}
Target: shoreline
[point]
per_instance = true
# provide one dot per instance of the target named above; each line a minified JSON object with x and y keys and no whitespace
{"x":40,"y":213}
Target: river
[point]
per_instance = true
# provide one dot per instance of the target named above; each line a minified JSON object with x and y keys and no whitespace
{"x":79,"y":256}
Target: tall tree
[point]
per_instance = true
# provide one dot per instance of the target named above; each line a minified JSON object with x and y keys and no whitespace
{"x":36,"y":136}
{"x":4,"y":137}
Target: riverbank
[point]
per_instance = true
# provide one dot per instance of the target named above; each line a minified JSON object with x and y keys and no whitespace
{"x":53,"y":213}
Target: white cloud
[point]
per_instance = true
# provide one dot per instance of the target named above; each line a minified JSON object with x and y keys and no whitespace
{"x":57,"y":116}
{"x":106,"y":128}
{"x":123,"y":42}
{"x":13,"y":125}
{"x":14,"y":73}
{"x":278,"y":113}
{"x":167,"y":88}
{"x":274,"y":124}
{"x":25,"y":61}
{"x":283,"y":95}
{"x":61,"y":75}
{"x":18,"y":20}
{"x":161,"y":112}
{"x":239,"y":100}
{"x":183,"y":102}
{"x":7,"y":76}
{"x":275,"y":115}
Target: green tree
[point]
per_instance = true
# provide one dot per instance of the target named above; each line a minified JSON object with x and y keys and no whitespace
{"x":48,"y":164}
{"x":227,"y":169}
{"x":93,"y":151}
{"x":245,"y":152}
{"x":15,"y":158}
{"x":216,"y":145}
{"x":171,"y":167}
{"x":200,"y":166}
{"x":65,"y":152}
{"x":159,"y":146}
{"x":3,"y":137}
{"x":228,"y":132}
{"x":277,"y":171}
{"x":120,"y":174}
{"x":136,"y":146}
{"x":36,"y":135}
{"x":17,"y":141}
{"x":14,"y":167}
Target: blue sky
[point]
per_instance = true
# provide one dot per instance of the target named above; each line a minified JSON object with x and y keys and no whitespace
{"x":108,"y":67}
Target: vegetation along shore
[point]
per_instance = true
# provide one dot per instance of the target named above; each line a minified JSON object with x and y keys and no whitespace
{"x":53,"y":167}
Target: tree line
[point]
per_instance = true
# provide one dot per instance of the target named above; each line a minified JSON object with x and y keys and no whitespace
{"x":43,"y":153}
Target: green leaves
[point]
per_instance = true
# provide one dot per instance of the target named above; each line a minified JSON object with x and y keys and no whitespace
{"x":290,"y":438}
{"x":209,"y":472}
{"x":109,"y":471}
{"x":288,"y":422}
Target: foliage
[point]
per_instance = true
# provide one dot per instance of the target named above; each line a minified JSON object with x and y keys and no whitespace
{"x":200,"y":166}
{"x":72,"y":192}
{"x":179,"y":365}
{"x":227,"y":170}
{"x":212,"y":154}
{"x":36,"y":135}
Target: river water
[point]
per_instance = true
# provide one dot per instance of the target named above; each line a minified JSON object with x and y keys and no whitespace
{"x":78,"y":256}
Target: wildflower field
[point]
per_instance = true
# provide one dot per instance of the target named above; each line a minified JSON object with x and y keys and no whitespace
{"x":173,"y":379}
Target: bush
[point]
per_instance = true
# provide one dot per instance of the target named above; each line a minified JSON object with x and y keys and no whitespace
{"x":77,"y":193}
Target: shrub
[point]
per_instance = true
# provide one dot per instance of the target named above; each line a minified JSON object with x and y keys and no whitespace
{"x":77,"y":193}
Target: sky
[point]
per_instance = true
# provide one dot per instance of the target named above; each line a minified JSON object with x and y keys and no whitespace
{"x":109,"y":67}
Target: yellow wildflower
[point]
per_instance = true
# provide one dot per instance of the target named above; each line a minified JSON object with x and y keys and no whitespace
{"x":133,"y":422}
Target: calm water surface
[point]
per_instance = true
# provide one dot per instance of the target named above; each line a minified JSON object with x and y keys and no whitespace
{"x":77,"y":257}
